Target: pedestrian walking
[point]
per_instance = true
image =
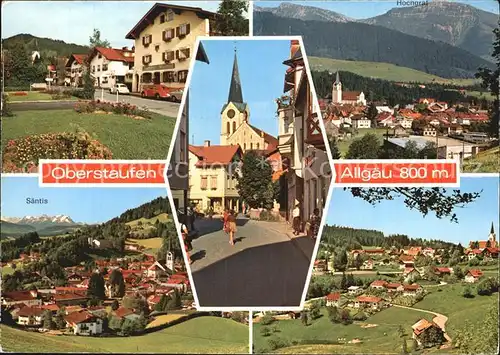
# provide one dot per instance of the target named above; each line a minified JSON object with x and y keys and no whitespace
{"x":187,"y":241}
{"x":225,"y":217}
{"x":314,"y":222}
{"x":296,"y":219}
{"x":231,"y":224}
{"x":191,"y":216}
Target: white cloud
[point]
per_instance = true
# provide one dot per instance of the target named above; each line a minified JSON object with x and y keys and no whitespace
{"x":73,"y":21}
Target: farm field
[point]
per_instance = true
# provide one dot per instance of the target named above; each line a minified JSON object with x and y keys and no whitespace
{"x":150,"y":243}
{"x":126,"y":137}
{"x":384,"y":71}
{"x":199,"y":335}
{"x":487,"y":161}
{"x":165,"y":318}
{"x":382,"y":338}
{"x":343,"y":145}
{"x":35,"y":96}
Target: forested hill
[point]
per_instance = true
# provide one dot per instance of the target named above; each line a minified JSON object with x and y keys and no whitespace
{"x":147,"y":210}
{"x":354,"y":238}
{"x":48,"y":47}
{"x":359,"y":41}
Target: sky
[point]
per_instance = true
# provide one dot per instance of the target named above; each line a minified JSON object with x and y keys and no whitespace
{"x":84,"y":205}
{"x":393,"y":217}
{"x":74,"y":21}
{"x":361,"y":9}
{"x":262,"y":75}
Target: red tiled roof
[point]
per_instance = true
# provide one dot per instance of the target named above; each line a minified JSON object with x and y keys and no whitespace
{"x":113,"y":54}
{"x":215,"y":154}
{"x":475,"y":272}
{"x":368,"y":299}
{"x":18,"y":295}
{"x":378,"y":283}
{"x":30,"y":311}
{"x":69,"y":296}
{"x":350,"y":95}
{"x":123,"y":312}
{"x":384,"y":115}
{"x":393,"y":285}
{"x":421,"y":326}
{"x":374,"y":251}
{"x":68,"y":289}
{"x":272,"y":142}
{"x":406,"y":258}
{"x":79,"y":317}
{"x":413,"y":287}
{"x":154,"y":299}
{"x":333,"y":296}
{"x":52,"y":307}
{"x":443,"y":270}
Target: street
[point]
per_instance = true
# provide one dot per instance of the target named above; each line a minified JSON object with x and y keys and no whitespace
{"x":161,"y":107}
{"x":263,"y":269}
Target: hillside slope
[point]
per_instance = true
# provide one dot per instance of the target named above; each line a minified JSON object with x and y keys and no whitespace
{"x":47,"y":46}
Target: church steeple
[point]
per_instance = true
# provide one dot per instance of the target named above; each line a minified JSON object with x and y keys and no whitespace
{"x":337,"y":79}
{"x":492,"y":230}
{"x":235,"y":93}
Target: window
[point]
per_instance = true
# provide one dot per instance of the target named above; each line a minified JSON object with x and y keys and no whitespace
{"x":168,"y":56}
{"x":182,"y":76}
{"x":170,"y":15}
{"x":168,"y":34}
{"x":104,"y":80}
{"x":98,"y":68}
{"x":183,"y":30}
{"x":146,"y":59}
{"x":244,"y":146}
{"x":228,"y":128}
{"x":157,"y":47}
{"x":146,"y":40}
{"x":204,"y":181}
{"x":183,"y":53}
{"x":104,"y":67}
{"x":93,"y":69}
{"x":234,"y":126}
{"x":213,"y":182}
{"x":162,"y":18}
{"x":251,"y":146}
{"x":99,"y":56}
{"x":182,"y":146}
{"x":168,"y":77}
{"x":257,"y":145}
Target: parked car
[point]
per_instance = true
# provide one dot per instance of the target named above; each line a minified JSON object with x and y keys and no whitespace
{"x":120,"y":88}
{"x":176,"y":95}
{"x":158,"y":91}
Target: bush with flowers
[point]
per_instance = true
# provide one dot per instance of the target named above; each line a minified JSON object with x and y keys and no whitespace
{"x":19,"y":93}
{"x":119,"y":108}
{"x":21,"y":155}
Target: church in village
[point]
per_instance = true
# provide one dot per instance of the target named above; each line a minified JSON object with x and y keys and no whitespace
{"x":346,"y":97}
{"x":235,"y":120}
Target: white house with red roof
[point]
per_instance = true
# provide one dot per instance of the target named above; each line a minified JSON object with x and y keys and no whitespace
{"x":29,"y":298}
{"x":332,"y":299}
{"x":30,"y":316}
{"x":368,"y":301}
{"x":84,"y":323}
{"x":109,"y":66}
{"x":378,"y":284}
{"x":473,"y":275}
{"x":75,"y":67}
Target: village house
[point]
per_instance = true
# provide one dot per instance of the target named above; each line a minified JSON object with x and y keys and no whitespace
{"x":392,"y":287}
{"x":75,"y":67}
{"x":301,"y":142}
{"x":332,"y":299}
{"x":423,"y":326}
{"x":69,"y":299}
{"x":429,"y":131}
{"x":84,"y":323}
{"x":360,"y":121}
{"x":386,"y":119}
{"x":490,"y":253}
{"x":346,"y":97}
{"x":29,"y":298}
{"x":109,"y":66}
{"x":378,"y":284}
{"x":374,"y":251}
{"x":156,"y":270}
{"x":411,"y":273}
{"x":368,"y":264}
{"x":354,"y":290}
{"x":473,"y":275}
{"x":320,"y":265}
{"x":30,"y":316}
{"x":399,"y":131}
{"x":442,"y":271}
{"x":473,"y":253}
{"x":211,"y":176}
{"x":164,"y":40}
{"x":375,"y":303}
{"x":410,"y":290}
{"x":406,"y":261}
{"x":428,"y":252}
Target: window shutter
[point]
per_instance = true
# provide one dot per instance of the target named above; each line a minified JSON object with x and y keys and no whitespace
{"x":150,"y":38}
{"x":188,"y":29}
{"x":177,"y":54}
{"x":143,"y":41}
{"x":187,"y":51}
{"x":163,"y":56}
{"x":164,"y":35}
{"x":177,"y":31}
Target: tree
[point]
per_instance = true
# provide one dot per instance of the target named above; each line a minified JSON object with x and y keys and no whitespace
{"x":340,"y":260}
{"x":115,"y":305}
{"x":404,"y":347}
{"x":333,"y":314}
{"x":96,"y":41}
{"x":467,"y":292}
{"x":267,"y":319}
{"x":487,"y":286}
{"x":265,"y":331}
{"x":314,"y":311}
{"x":480,"y":337}
{"x":175,"y":301}
{"x":334,"y":148}
{"x":47,"y":322}
{"x":230,"y":19}
{"x":255,"y":183}
{"x":401,"y":331}
{"x":366,"y":147}
{"x":432,"y":336}
{"x":96,"y":287}
{"x":424,"y":200}
{"x":490,"y":80}
{"x":117,"y":283}
{"x":371,"y":113}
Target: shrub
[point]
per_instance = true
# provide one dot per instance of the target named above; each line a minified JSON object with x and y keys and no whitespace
{"x":487,"y":286}
{"x":467,"y":292}
{"x":22,"y":154}
{"x":360,"y":316}
{"x":277,"y":343}
{"x":117,"y":108}
{"x":265,"y":331}
{"x":267,"y":319}
{"x":6,"y":110}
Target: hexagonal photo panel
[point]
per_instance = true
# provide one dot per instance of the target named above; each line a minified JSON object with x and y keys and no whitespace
{"x":249,"y":173}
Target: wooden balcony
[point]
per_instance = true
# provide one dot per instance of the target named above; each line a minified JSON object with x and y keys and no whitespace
{"x":314,"y":136}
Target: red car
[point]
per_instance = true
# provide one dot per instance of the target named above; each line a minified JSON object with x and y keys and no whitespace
{"x":158,"y":91}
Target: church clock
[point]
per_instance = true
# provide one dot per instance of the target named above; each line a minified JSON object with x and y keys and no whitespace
{"x":231,"y":113}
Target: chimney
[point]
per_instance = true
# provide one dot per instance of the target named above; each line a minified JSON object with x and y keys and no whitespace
{"x":207,"y":143}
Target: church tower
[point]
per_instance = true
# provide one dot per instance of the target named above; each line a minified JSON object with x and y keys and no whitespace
{"x":235,"y":111}
{"x":337,"y":90}
{"x":492,"y":237}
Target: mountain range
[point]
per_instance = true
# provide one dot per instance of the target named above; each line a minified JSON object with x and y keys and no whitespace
{"x":43,"y":225}
{"x":460,"y":25}
{"x":48,"y":47}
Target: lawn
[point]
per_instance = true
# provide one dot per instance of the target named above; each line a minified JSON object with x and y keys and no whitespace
{"x":36,"y":96}
{"x":450,"y":302}
{"x":150,"y":243}
{"x":487,"y":161}
{"x":126,"y":137}
{"x":7,"y":270}
{"x":384,"y":71}
{"x":199,"y":335}
{"x":165,"y":318}
{"x":343,"y":145}
{"x":384,"y":338}
{"x":162,"y":217}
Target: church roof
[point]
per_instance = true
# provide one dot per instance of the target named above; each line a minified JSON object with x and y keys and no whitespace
{"x":241,"y":106}
{"x":337,"y":79}
{"x":235,"y":93}
{"x":271,"y":141}
{"x":492,"y":230}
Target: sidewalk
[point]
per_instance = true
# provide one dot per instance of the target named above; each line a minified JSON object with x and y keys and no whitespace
{"x":302,"y":241}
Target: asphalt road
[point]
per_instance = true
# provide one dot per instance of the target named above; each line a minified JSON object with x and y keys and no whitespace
{"x":263,"y":269}
{"x":162,"y":107}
